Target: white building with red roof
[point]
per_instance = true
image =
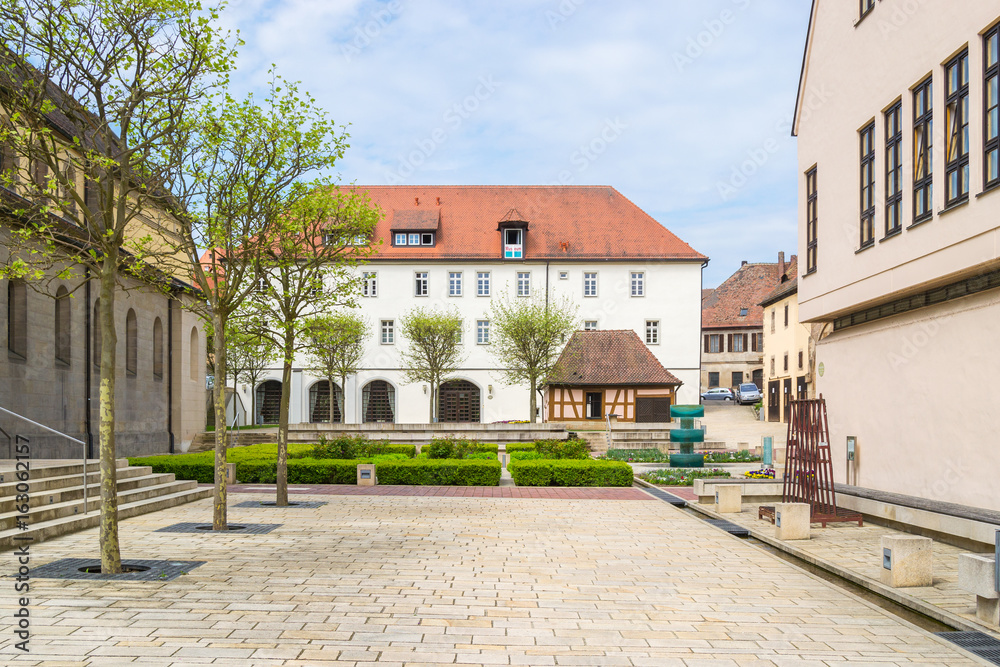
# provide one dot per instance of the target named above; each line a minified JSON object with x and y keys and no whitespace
{"x":460,"y":247}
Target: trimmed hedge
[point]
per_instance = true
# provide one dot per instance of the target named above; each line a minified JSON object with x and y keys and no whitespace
{"x":456,"y":448}
{"x":440,"y":472}
{"x":301,"y":471}
{"x":570,"y":472}
{"x":553,"y":449}
{"x":356,"y":447}
{"x":525,"y":456}
{"x":520,"y":447}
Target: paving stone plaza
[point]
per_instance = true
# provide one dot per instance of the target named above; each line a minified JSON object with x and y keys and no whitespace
{"x":411,"y":580}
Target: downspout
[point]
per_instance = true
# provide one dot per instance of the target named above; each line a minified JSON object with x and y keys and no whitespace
{"x":88,"y":364}
{"x":170,"y":372}
{"x":547,"y":262}
{"x":701,"y":331}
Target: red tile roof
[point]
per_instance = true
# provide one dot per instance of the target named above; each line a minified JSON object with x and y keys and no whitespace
{"x":609,"y":358}
{"x":422,"y":220}
{"x":565,"y":222}
{"x":746,"y":288}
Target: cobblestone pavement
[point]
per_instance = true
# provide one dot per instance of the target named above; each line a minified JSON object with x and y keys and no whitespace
{"x":445,"y":580}
{"x":859,"y":550}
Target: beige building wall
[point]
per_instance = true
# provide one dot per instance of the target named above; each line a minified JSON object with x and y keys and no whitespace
{"x":727,"y":363}
{"x":789,"y":342}
{"x":916,"y":388}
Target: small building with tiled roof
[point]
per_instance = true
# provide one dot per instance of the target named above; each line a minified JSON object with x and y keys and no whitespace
{"x":733,"y":322}
{"x":601,"y":373}
{"x":460,"y":248}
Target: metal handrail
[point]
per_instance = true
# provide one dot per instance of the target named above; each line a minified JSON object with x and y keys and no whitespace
{"x":63,"y":435}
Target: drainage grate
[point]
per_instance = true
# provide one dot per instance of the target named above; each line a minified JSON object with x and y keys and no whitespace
{"x":292,"y":504}
{"x":978,"y":643}
{"x":729,"y":527}
{"x":666,"y":497}
{"x":206,"y":528}
{"x":143,"y":570}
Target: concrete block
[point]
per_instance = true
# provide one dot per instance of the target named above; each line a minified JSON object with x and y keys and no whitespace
{"x":728,"y":498}
{"x":366,"y":474}
{"x":907,"y":561}
{"x":791,"y":521}
{"x":977,"y":575}
{"x":230,"y":473}
{"x":699,"y":487}
{"x":779,"y":456}
{"x":988,"y":610}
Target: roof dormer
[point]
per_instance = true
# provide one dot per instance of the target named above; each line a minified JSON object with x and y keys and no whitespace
{"x":415,"y":227}
{"x":513,"y":231}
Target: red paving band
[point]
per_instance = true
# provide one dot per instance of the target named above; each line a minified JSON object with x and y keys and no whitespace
{"x":557,"y":493}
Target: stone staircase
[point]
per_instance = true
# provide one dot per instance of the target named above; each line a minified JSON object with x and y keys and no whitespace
{"x":205,"y":442}
{"x":55,"y":491}
{"x":652,"y":436}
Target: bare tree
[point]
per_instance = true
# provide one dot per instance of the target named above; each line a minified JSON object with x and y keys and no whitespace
{"x":249,"y":353}
{"x":433,"y":352}
{"x":96,"y":94}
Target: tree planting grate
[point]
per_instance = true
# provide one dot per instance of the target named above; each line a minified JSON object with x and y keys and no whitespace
{"x":234,"y":529}
{"x":666,"y":497}
{"x":143,"y":570}
{"x":292,"y":504}
{"x":977,"y":643}
{"x":729,"y":527}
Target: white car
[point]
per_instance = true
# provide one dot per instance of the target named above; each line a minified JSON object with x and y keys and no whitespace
{"x":717,"y":394}
{"x":748,"y":392}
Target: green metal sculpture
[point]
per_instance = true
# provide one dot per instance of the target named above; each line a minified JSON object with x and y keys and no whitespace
{"x":686,"y":436}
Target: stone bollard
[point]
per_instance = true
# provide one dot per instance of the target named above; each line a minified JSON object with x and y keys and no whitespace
{"x":791,"y":521}
{"x":728,"y":498}
{"x":977,"y":575}
{"x":907,"y":561}
{"x":230,"y":473}
{"x":366,"y":474}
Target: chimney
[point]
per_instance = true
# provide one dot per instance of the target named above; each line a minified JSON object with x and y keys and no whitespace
{"x":781,"y":264}
{"x":743,"y":264}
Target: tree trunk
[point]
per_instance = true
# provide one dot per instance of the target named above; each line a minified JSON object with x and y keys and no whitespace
{"x":220,"y":518}
{"x":333,"y":399}
{"x":281,"y":498}
{"x":343,"y":399}
{"x":111,"y":560}
{"x":533,"y":402}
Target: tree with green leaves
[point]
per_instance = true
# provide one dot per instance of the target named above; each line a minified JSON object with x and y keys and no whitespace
{"x":247,"y":165}
{"x":335,"y":347}
{"x":432,"y":352}
{"x":96,"y":95}
{"x":308,"y":267}
{"x":527,"y":335}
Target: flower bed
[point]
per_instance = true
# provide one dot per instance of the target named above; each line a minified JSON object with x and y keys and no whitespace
{"x":637,"y":455}
{"x":682,"y":476}
{"x":763,"y":473}
{"x":731,"y":457}
{"x":570,"y":472}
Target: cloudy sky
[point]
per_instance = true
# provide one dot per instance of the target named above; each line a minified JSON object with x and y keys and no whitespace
{"x":666,"y":101}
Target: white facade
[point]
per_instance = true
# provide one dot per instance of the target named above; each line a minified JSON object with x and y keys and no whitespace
{"x":671,"y":298}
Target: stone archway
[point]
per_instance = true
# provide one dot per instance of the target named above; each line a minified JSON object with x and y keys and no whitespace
{"x":458,"y":401}
{"x":268,"y":409}
{"x":378,"y":402}
{"x":319,"y":402}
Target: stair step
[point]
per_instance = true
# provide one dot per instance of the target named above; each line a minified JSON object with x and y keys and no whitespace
{"x":55,"y":484}
{"x":132,"y":507}
{"x":72,"y":500}
{"x":8,"y":472}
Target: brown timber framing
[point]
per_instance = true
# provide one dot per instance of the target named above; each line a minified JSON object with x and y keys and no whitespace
{"x":569,"y":403}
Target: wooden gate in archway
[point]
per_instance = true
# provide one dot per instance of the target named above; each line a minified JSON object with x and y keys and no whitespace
{"x":458,"y":401}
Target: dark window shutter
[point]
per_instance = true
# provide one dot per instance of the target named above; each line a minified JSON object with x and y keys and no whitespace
{"x":706,"y":343}
{"x":746,"y":338}
{"x":729,"y":342}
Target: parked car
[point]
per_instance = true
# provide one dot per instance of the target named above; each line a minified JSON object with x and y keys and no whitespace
{"x":718,"y":394}
{"x":748,"y":392}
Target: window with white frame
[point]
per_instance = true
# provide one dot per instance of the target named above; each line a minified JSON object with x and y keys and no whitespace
{"x":638,"y":283}
{"x":461,"y":332}
{"x":454,"y":283}
{"x":400,"y":239}
{"x":590,"y":284}
{"x":483,"y":283}
{"x":590,"y":325}
{"x":482,"y":332}
{"x":388,"y":332}
{"x":369,"y":284}
{"x":523,"y":283}
{"x":564,"y":275}
{"x":652,"y":332}
{"x":421,"y":285}
{"x":414,"y":239}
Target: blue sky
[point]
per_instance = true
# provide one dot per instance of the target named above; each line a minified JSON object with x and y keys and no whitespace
{"x":666,"y":101}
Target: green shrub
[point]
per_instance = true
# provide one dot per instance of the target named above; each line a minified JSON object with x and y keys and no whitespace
{"x":440,"y":472}
{"x":382,"y":458}
{"x":456,"y":448}
{"x":682,"y":476}
{"x":520,"y":447}
{"x":731,"y":457}
{"x":570,"y":472}
{"x":300,"y":471}
{"x":357,"y":447}
{"x":480,"y":456}
{"x":563,"y":449}
{"x":525,"y":456}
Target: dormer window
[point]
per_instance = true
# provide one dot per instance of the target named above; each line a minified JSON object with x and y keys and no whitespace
{"x":513,"y":244}
{"x":423,"y":239}
{"x":743,"y":312}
